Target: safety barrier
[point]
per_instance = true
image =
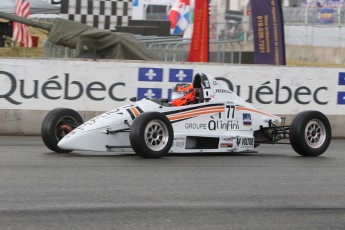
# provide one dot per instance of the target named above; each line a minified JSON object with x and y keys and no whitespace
{"x":29,"y":88}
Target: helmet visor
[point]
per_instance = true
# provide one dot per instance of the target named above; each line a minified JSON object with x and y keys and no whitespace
{"x":177,"y":95}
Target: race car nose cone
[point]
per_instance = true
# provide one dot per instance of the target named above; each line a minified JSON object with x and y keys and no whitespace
{"x":79,"y":140}
{"x":66,"y":144}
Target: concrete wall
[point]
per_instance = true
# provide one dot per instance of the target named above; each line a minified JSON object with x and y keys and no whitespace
{"x":322,"y":55}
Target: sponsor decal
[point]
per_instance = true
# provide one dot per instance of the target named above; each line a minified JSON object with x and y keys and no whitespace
{"x":195,"y":126}
{"x":180,"y":75}
{"x":222,"y":91}
{"x":215,"y":125}
{"x":149,"y":93}
{"x":179,"y":144}
{"x":245,"y":142}
{"x":150,"y":74}
{"x":227,"y":139}
{"x":225,"y":145}
{"x":247,"y":119}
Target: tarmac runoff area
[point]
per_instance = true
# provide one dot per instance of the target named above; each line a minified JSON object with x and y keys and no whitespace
{"x":273,"y":188}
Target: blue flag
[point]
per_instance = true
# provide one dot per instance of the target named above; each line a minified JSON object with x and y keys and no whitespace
{"x":268,"y":28}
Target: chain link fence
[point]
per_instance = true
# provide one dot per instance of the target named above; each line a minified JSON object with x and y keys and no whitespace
{"x":316,"y":26}
{"x":167,"y":49}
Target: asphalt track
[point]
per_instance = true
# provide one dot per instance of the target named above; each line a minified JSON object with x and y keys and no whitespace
{"x":271,"y":189}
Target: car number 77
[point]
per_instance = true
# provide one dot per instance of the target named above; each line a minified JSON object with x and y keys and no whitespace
{"x":229,"y":112}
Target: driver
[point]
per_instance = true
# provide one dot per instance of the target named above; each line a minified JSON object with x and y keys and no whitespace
{"x":183,"y":94}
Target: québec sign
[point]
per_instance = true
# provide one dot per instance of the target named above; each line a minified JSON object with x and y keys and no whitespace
{"x":56,"y":88}
{"x":277,"y":93}
{"x":104,"y":85}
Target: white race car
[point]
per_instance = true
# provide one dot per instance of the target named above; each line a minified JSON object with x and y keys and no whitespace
{"x":220,"y":121}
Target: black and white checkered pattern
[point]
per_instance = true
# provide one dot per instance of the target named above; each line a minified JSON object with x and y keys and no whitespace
{"x":102,"y":14}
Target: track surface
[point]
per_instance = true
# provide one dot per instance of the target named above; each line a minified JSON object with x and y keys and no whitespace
{"x":272,"y":189}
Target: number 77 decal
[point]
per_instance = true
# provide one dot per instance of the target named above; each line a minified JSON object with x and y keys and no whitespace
{"x":229,"y":112}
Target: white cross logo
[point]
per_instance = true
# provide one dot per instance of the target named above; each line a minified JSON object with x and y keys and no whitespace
{"x":149,"y":94}
{"x":150,"y":74}
{"x":181,"y":75}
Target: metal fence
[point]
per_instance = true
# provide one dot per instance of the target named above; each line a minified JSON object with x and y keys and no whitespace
{"x":51,"y":50}
{"x":321,"y":27}
{"x":313,"y":16}
{"x":167,"y":49}
{"x":177,"y":49}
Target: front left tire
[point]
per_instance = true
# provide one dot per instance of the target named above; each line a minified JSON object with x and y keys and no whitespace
{"x":151,"y":135}
{"x":57,"y":124}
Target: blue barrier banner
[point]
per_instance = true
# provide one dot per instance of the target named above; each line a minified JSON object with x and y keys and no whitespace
{"x":268,"y":27}
{"x":325,"y":15}
{"x":150,"y":74}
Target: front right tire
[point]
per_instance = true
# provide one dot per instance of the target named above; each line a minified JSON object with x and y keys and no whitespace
{"x":310,"y":133}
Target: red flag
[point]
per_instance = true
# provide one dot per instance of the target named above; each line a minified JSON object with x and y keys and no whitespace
{"x":21,"y":31}
{"x":200,"y":39}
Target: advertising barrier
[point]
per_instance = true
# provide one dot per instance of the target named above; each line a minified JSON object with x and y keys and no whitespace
{"x":325,"y":15}
{"x":30,"y":87}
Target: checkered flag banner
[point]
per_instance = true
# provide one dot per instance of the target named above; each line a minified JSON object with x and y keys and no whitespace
{"x":102,"y":14}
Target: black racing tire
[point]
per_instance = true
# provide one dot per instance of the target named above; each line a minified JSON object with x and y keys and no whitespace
{"x":151,"y":135}
{"x":56,"y":124}
{"x":310,"y":133}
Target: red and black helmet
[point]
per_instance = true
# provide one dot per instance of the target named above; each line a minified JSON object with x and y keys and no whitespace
{"x":183,"y":94}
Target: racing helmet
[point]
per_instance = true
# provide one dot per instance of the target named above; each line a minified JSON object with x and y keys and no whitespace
{"x":183,"y":94}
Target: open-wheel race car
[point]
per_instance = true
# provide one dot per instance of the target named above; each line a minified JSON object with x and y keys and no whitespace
{"x":216,"y":121}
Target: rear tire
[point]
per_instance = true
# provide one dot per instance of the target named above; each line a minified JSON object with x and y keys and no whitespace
{"x":151,"y":135}
{"x":310,"y":133}
{"x":57,"y":123}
